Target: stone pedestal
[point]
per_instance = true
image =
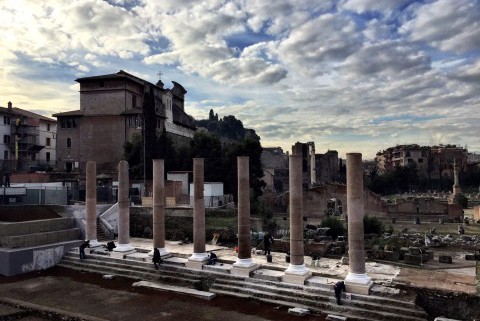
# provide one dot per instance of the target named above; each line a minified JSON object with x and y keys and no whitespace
{"x":123,"y":209}
{"x":243,"y":267}
{"x":296,"y":274}
{"x":357,"y":281}
{"x":199,"y":256}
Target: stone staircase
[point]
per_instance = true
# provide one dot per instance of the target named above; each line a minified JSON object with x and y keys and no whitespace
{"x":314,"y":296}
{"x":35,"y":245}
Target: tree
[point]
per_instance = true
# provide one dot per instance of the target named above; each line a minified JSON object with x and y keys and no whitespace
{"x":132,"y":153}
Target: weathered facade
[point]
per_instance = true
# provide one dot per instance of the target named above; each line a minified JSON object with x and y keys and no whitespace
{"x":430,"y":162}
{"x":27,"y":140}
{"x":110,"y":114}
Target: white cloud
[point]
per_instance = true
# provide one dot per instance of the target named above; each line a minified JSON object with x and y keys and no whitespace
{"x":446,"y":25}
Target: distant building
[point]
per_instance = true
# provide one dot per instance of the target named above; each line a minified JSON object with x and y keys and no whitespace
{"x":110,"y":114}
{"x":275,"y":168}
{"x":317,"y":168}
{"x":27,"y":140}
{"x":430,"y":162}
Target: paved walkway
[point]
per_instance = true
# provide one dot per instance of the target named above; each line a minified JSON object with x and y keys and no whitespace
{"x":459,"y":276}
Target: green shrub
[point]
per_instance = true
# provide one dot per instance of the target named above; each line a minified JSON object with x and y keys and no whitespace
{"x":461,"y":200}
{"x":335,"y":225}
{"x":372,"y":225}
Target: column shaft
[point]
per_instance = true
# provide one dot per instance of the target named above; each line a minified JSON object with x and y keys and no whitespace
{"x":123,"y":204}
{"x":91,"y":201}
{"x":243,"y":170}
{"x":158,"y":203}
{"x":198,"y":207}
{"x":296,"y":210}
{"x":355,"y":203}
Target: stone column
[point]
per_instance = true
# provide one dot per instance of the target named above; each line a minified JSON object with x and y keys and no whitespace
{"x":91,"y":204}
{"x":313,"y":165}
{"x":159,"y":206}
{"x":456,"y":185}
{"x":296,"y":272}
{"x":199,"y":256}
{"x":123,"y":209}
{"x":357,"y":280}
{"x":244,"y":264}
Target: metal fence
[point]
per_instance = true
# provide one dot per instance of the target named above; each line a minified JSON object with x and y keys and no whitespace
{"x":46,"y":195}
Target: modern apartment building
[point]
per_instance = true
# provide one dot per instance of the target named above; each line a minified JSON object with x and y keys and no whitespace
{"x":111,"y":113}
{"x":27,"y":140}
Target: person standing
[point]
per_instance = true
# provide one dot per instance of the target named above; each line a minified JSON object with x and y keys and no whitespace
{"x":156,"y":259}
{"x":82,"y":249}
{"x":267,"y":241}
{"x":338,"y":288}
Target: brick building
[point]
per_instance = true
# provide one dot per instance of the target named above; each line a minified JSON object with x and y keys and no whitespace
{"x":27,"y":140}
{"x":110,"y":114}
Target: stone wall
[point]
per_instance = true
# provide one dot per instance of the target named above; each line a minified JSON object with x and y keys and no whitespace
{"x":179,"y":224}
{"x":315,"y":201}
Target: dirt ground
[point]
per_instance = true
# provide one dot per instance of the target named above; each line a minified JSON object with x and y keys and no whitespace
{"x":26,"y":213}
{"x":116,"y":299}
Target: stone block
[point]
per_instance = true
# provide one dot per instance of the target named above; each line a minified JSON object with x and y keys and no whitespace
{"x":392,"y":255}
{"x":334,"y":317}
{"x":42,"y":238}
{"x":414,"y":251}
{"x":298,"y":311}
{"x":445,"y":259}
{"x":412,"y":259}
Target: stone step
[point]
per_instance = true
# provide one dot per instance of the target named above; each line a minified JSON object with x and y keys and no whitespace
{"x":322,"y":290}
{"x":320,"y":298}
{"x":136,"y":275}
{"x":102,"y":266}
{"x":321,"y":302}
{"x":219,"y":268}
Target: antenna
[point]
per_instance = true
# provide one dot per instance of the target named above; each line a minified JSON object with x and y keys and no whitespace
{"x":159,"y":74}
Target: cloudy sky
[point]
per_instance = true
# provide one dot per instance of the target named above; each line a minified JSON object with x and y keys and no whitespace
{"x":350,"y":75}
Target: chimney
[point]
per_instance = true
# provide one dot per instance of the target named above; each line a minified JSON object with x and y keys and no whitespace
{"x":9,"y":105}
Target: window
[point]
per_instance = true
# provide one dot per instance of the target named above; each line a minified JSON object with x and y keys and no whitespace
{"x":407,"y":154}
{"x":69,"y":142}
{"x":6,"y":120}
{"x":6,"y":139}
{"x":68,"y":122}
{"x":33,"y":156}
{"x":48,"y":129}
{"x":134,"y":101}
{"x":134,"y":122}
{"x":48,"y":141}
{"x":47,"y":155}
{"x":410,"y":161}
{"x":5,"y":154}
{"x":420,"y":160}
{"x":102,"y":83}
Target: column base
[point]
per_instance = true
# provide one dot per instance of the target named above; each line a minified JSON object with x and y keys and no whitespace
{"x":296,"y":274}
{"x":196,"y":261}
{"x":358,"y":283}
{"x":163,"y":252}
{"x":243,"y":267}
{"x":95,"y":243}
{"x":123,"y":248}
